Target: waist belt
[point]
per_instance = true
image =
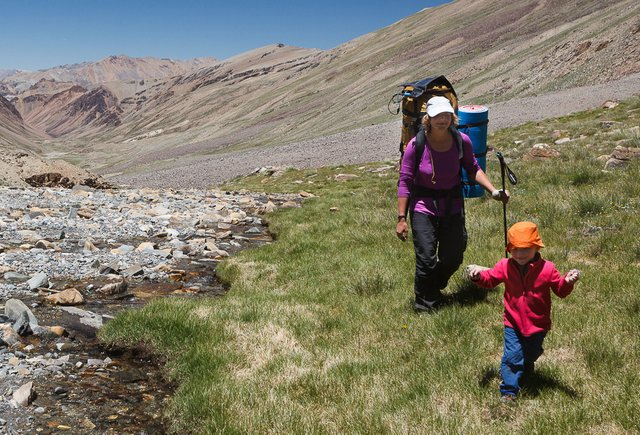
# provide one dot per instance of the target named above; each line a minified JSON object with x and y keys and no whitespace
{"x":422,"y":191}
{"x":438,"y":194}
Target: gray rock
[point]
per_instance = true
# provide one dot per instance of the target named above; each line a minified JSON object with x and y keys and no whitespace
{"x":13,"y":309}
{"x":22,"y":326}
{"x":43,"y":332}
{"x":24,"y":395}
{"x":86,"y":317}
{"x":40,"y":279}
{"x":112,"y":267}
{"x":15,"y":277}
{"x":135,"y":270}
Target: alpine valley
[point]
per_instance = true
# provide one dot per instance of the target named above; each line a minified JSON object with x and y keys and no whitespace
{"x":126,"y":116}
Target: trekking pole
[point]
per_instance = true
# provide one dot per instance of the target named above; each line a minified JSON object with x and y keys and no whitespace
{"x":513,"y":180}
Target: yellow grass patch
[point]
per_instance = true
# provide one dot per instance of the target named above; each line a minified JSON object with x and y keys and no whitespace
{"x":608,"y":428}
{"x":261,"y":345}
{"x":202,"y":312}
{"x":562,"y":355}
{"x":251,"y":271}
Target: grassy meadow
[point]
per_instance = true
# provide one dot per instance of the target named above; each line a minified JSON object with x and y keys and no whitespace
{"x":317,"y":333}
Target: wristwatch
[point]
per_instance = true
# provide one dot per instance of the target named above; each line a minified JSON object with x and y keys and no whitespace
{"x":401,"y":216}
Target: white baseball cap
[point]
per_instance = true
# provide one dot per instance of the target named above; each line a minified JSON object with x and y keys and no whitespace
{"x":438,"y":105}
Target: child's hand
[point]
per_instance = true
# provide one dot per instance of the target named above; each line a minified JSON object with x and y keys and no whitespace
{"x":572,"y":276}
{"x":473,"y":271}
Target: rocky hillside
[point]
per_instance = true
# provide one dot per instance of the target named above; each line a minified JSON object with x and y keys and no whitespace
{"x":492,"y":50}
{"x":59,"y":108}
{"x":67,"y":99}
{"x":14,"y":133}
{"x":110,"y":69}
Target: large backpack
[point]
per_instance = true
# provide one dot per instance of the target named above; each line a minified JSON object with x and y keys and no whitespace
{"x":412,"y":99}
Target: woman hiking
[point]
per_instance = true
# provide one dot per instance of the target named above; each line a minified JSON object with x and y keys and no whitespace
{"x":432,"y":196}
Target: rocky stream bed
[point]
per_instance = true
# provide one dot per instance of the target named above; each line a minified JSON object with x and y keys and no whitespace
{"x":70,"y":260}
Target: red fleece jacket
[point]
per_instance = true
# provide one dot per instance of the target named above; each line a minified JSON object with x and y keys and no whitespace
{"x":527,"y":298}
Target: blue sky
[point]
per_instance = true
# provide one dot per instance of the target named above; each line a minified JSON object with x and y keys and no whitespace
{"x":39,"y":34}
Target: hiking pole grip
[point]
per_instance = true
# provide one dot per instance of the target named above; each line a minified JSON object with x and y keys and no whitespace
{"x":504,"y":206}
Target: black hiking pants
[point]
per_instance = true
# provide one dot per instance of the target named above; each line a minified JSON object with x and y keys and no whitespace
{"x":439,"y":244}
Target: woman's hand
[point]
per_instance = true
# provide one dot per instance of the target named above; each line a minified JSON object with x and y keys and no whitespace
{"x":402,"y":229}
{"x":500,"y":195}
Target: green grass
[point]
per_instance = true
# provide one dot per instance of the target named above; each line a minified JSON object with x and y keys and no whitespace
{"x":316,"y":334}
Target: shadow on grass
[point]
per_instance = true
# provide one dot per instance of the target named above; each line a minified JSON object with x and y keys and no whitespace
{"x":536,"y":383}
{"x":533,"y":385}
{"x":467,"y":294}
{"x":488,"y":375}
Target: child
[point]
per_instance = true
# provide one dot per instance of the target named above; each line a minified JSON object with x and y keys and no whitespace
{"x":527,"y":302}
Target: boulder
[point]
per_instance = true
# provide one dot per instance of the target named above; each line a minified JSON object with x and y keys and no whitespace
{"x":70,"y":296}
{"x":40,"y":279}
{"x":621,"y":156}
{"x":14,"y":309}
{"x":24,"y":395}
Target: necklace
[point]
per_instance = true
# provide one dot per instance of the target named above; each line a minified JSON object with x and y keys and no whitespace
{"x":431,"y":148}
{"x":433,"y":167}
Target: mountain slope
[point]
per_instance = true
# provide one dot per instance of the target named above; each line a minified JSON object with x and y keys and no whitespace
{"x":67,"y":99}
{"x":492,"y":51}
{"x":15,"y":135}
{"x":109,"y":69}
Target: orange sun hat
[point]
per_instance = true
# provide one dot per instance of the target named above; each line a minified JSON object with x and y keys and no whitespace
{"x":524,"y":235}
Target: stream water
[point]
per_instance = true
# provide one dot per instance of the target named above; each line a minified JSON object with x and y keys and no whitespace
{"x":103,"y":389}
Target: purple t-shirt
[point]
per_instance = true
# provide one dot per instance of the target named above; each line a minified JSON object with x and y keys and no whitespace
{"x":438,"y":171}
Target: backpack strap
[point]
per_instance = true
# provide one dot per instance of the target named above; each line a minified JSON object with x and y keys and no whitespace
{"x":419,"y":145}
{"x":458,"y":138}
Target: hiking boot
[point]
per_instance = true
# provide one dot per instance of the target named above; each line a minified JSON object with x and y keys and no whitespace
{"x":423,"y":306}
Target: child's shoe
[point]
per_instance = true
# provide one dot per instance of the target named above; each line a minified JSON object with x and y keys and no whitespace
{"x":508,"y":399}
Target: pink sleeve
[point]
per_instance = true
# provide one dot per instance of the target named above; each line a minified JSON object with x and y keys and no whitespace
{"x":559,"y":284}
{"x":493,"y":277}
{"x":405,"y":182}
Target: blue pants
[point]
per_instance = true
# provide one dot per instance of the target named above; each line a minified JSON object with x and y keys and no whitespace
{"x":439,"y":244}
{"x":520,"y":354}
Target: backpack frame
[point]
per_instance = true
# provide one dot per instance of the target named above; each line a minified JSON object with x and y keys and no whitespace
{"x":412,"y":99}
